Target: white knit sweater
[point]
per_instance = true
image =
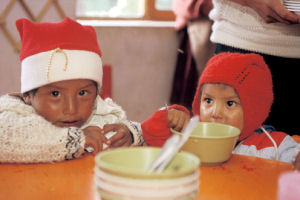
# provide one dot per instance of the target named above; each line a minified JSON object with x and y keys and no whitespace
{"x":241,"y":27}
{"x":26,"y":137}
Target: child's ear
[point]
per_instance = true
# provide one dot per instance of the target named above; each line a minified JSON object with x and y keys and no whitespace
{"x":27,"y":98}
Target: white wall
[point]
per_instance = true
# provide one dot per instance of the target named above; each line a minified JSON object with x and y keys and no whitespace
{"x":143,"y":59}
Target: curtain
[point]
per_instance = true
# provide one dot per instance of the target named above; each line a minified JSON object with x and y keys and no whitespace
{"x":186,"y":74}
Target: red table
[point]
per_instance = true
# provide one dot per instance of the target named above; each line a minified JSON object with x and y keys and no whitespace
{"x":242,"y":177}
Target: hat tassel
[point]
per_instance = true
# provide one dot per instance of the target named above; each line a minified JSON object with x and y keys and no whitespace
{"x":57,"y":50}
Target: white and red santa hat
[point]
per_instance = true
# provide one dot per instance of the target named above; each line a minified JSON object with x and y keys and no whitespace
{"x":54,"y":52}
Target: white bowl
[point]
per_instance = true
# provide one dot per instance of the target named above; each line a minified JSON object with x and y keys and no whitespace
{"x":113,"y":187}
{"x":123,"y":174}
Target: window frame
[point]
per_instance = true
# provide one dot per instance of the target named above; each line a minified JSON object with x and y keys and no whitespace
{"x":151,"y":13}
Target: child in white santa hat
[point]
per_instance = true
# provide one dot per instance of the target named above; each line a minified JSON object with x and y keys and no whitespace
{"x":59,"y":114}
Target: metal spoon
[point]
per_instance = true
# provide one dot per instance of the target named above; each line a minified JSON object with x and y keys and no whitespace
{"x":172,"y":146}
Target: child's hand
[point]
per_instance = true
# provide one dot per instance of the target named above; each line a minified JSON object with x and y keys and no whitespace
{"x":177,"y":119}
{"x":122,"y":137}
{"x":95,"y":138}
{"x":297,"y":162}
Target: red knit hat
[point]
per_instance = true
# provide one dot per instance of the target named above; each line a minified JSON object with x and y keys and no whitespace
{"x":251,"y":78}
{"x":54,"y":52}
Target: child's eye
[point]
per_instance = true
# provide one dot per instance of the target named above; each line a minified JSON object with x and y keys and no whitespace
{"x":208,"y":100}
{"x":55,"y":93}
{"x":230,"y":103}
{"x":82,"y":92}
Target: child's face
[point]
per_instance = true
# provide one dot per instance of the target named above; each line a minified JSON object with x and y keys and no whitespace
{"x":65,"y":103}
{"x":221,"y":104}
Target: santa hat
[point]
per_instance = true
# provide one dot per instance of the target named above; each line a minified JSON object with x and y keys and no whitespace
{"x":54,"y":52}
{"x":251,"y":78}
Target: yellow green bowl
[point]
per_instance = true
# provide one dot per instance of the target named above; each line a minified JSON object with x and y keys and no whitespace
{"x":133,"y":162}
{"x":211,"y":142}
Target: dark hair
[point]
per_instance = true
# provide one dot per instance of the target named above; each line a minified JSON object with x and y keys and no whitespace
{"x":96,"y":84}
{"x":33,"y":91}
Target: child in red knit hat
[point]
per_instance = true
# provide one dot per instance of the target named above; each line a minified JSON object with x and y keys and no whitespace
{"x":59,"y":114}
{"x":234,"y":89}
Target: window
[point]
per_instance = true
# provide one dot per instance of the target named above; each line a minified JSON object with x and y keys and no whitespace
{"x":125,"y":9}
{"x":163,"y":5}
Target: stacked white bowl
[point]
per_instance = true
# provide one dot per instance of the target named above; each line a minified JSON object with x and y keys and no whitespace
{"x":179,"y":181}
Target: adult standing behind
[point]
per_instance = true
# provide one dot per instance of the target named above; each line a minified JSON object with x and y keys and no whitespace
{"x":268,"y":28}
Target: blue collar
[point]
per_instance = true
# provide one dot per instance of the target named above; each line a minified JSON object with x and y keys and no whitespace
{"x":268,"y":128}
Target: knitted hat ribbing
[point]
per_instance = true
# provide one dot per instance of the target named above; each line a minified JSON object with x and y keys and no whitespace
{"x":251,"y":78}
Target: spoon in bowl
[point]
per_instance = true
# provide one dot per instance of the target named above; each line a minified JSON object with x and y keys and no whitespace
{"x":172,"y":146}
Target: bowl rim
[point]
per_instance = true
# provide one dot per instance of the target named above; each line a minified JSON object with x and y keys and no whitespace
{"x":131,"y":173}
{"x":212,"y":137}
